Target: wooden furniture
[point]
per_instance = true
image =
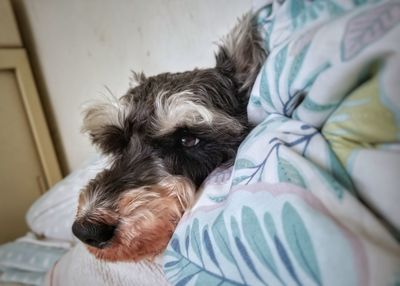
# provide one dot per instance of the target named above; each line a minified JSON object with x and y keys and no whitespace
{"x":28,"y":163}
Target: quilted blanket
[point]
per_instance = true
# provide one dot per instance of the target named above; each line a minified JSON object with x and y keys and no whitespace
{"x":312,"y":198}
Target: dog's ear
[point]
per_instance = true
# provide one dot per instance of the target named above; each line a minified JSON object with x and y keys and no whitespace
{"x":106,"y":125}
{"x":136,"y":79}
{"x":241,"y":54}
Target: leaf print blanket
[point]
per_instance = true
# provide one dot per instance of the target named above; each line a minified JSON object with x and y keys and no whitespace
{"x":313,"y":197}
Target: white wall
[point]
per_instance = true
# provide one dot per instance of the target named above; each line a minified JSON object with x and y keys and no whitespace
{"x":83,"y":46}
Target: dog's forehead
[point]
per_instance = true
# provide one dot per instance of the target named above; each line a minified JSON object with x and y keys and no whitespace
{"x":167,"y":101}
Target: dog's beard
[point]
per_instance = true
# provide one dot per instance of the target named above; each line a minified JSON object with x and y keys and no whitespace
{"x":144,"y":218}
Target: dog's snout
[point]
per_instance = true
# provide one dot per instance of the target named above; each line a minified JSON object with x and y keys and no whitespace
{"x":93,"y":234}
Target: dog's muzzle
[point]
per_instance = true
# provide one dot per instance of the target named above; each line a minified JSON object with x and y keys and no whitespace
{"x":136,"y":223}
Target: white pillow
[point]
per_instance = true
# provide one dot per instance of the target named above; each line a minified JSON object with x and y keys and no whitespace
{"x":53,"y":213}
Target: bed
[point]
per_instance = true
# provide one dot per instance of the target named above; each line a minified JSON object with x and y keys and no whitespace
{"x":312,"y":198}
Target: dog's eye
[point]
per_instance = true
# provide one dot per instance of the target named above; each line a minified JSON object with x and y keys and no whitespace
{"x":189,"y":141}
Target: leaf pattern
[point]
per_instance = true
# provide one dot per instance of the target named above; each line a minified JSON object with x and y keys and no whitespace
{"x":296,"y":96}
{"x":288,"y":173}
{"x":296,"y":64}
{"x":279,"y":64}
{"x":222,"y":238}
{"x":331,"y":184}
{"x":238,"y":180}
{"x":269,"y":224}
{"x":253,"y":250}
{"x":235,"y":228}
{"x":195,"y":239}
{"x":296,"y":8}
{"x":339,"y":172}
{"x":310,"y":104}
{"x":303,"y":12}
{"x":300,"y":242}
{"x":209,"y":247}
{"x":256,"y":240}
{"x":286,"y":260}
{"x":368,"y":27}
{"x":251,"y":245}
{"x":246,"y":257}
{"x":264,"y":87}
{"x":217,"y":199}
{"x":175,"y":245}
{"x":187,"y":237}
{"x":243,"y":164}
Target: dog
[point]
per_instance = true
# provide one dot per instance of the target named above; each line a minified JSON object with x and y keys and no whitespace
{"x":163,"y":137}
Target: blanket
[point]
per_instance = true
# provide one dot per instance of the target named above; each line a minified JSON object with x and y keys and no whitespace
{"x":312,"y":198}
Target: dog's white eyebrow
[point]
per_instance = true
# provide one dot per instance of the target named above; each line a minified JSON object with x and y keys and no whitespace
{"x":179,"y":109}
{"x":185,"y":108}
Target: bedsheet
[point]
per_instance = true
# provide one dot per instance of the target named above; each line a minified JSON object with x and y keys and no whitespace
{"x":79,"y":267}
{"x":312,"y":198}
{"x":27,"y":260}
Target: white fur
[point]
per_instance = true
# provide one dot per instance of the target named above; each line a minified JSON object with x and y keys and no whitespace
{"x":101,"y":114}
{"x":185,"y":109}
{"x":89,"y":201}
{"x":181,"y":108}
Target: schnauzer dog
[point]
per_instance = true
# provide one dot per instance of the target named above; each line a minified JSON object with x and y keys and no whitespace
{"x":163,"y":138}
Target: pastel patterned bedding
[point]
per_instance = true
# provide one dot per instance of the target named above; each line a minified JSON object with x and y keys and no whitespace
{"x":313,"y":196}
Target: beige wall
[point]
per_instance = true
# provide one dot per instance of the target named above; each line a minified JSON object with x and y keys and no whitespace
{"x":81,"y":47}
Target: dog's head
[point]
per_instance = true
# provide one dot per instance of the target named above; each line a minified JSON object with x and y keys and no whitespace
{"x":163,"y":137}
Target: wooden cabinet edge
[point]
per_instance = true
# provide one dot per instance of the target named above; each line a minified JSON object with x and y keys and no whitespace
{"x":17,"y":60}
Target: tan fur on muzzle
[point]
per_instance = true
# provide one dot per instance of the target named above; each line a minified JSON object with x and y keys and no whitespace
{"x":147,"y":217}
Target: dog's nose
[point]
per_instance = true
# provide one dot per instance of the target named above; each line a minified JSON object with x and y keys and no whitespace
{"x":94,"y":234}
